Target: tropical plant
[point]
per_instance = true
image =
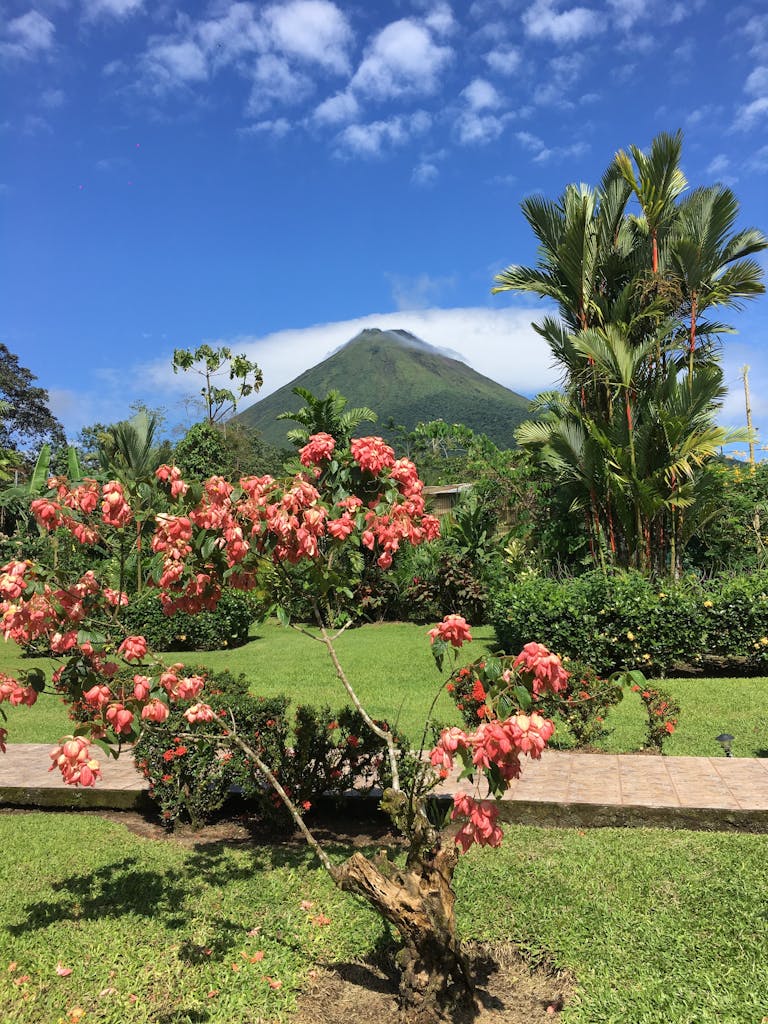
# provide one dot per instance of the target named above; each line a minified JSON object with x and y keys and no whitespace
{"x":212,"y":363}
{"x":328,"y":415}
{"x":632,"y":437}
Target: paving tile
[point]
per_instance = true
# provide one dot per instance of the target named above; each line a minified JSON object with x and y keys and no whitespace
{"x":670,"y":788}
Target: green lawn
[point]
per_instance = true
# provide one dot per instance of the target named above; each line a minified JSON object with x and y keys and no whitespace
{"x":392,"y":668}
{"x":658,"y":927}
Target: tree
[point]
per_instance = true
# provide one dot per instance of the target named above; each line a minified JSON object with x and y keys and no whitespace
{"x":360,"y":498}
{"x":212,"y":363}
{"x":328,"y":415}
{"x":208,"y":450}
{"x":630,"y":290}
{"x":26,"y":422}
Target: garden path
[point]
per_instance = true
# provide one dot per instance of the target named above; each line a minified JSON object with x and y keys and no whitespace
{"x":564,"y":788}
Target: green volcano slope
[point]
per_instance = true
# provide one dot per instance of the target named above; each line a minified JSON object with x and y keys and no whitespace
{"x":398,"y":376}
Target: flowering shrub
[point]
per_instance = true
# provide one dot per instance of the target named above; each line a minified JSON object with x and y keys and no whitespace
{"x":662,"y":713}
{"x":359,"y":505}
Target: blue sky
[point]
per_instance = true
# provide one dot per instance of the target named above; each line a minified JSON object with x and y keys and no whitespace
{"x":275,"y":176}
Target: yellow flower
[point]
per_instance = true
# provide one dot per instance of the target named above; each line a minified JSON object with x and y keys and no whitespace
{"x":630,"y":636}
{"x":707,"y":604}
{"x":662,"y":595}
{"x":764,"y":641}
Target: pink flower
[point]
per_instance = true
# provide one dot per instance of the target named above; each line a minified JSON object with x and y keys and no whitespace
{"x":372,"y":454}
{"x":98,"y":696}
{"x":319,"y":448}
{"x":120,"y":718}
{"x":141,"y":687}
{"x":133,"y":648}
{"x":155,"y":711}
{"x":72,"y":758}
{"x":199,"y":713}
{"x":481,"y":828}
{"x":341,"y":528}
{"x":115,"y":510}
{"x":546,"y":668}
{"x":453,"y":629}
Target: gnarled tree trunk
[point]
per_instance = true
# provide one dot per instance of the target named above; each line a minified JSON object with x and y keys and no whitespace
{"x":419,"y":901}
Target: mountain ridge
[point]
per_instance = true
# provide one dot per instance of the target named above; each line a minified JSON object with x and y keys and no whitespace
{"x":403,"y":378}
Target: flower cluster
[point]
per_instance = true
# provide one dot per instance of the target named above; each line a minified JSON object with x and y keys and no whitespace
{"x":453,"y":630}
{"x":318,"y":449}
{"x":662,"y":713}
{"x":73,"y":759}
{"x":546,"y":668}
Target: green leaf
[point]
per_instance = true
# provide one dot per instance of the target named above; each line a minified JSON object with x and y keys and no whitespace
{"x":283,"y":616}
{"x":523,"y":697}
{"x":493,"y":669}
{"x":504,"y":706}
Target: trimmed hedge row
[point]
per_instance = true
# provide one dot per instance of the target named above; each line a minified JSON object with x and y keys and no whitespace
{"x":227,"y":626}
{"x":625,"y":620}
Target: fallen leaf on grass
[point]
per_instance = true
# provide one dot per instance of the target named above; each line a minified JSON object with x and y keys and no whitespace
{"x":307,"y":904}
{"x":321,"y":920}
{"x":107,"y":992}
{"x":62,"y":971}
{"x":273,"y":982}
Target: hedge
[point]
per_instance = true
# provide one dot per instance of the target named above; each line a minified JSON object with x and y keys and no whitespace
{"x":227,"y":626}
{"x":625,"y":620}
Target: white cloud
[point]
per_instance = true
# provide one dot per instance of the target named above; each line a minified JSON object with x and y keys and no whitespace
{"x":758,"y":162}
{"x":373,"y":138}
{"x":478,"y":129}
{"x":719,"y":164}
{"x":93,"y":9}
{"x":440,"y":19}
{"x":274,"y":80}
{"x":499,"y":343}
{"x":562,"y":75}
{"x":233,"y":35}
{"x":543,"y":21}
{"x":313,"y":30}
{"x":544,"y":154}
{"x":27,"y":36}
{"x":481,"y":95}
{"x":418,"y":292}
{"x":277,"y":128}
{"x":425,"y":173}
{"x":337,"y":109}
{"x":757,"y":82}
{"x":171,"y":64}
{"x":52,"y":99}
{"x":504,"y":60}
{"x":627,"y":12}
{"x":403,"y":59}
{"x":747,"y":115}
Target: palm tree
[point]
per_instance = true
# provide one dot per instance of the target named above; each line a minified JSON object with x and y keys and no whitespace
{"x":710,"y":260}
{"x":327,"y":415}
{"x":128,"y":453}
{"x":658,"y":183}
{"x":626,"y":442}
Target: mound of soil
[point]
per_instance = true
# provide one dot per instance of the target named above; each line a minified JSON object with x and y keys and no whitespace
{"x":509,"y":991}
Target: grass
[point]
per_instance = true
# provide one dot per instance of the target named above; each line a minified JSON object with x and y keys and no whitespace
{"x":656,"y":926}
{"x":391,"y":666}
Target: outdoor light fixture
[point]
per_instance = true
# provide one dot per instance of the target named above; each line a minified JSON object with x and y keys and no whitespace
{"x":725,"y":740}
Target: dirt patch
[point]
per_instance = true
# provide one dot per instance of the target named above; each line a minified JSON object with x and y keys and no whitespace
{"x":339,"y":828}
{"x":510,"y":991}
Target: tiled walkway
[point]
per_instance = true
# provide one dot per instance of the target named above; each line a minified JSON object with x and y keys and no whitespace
{"x":564,"y":788}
